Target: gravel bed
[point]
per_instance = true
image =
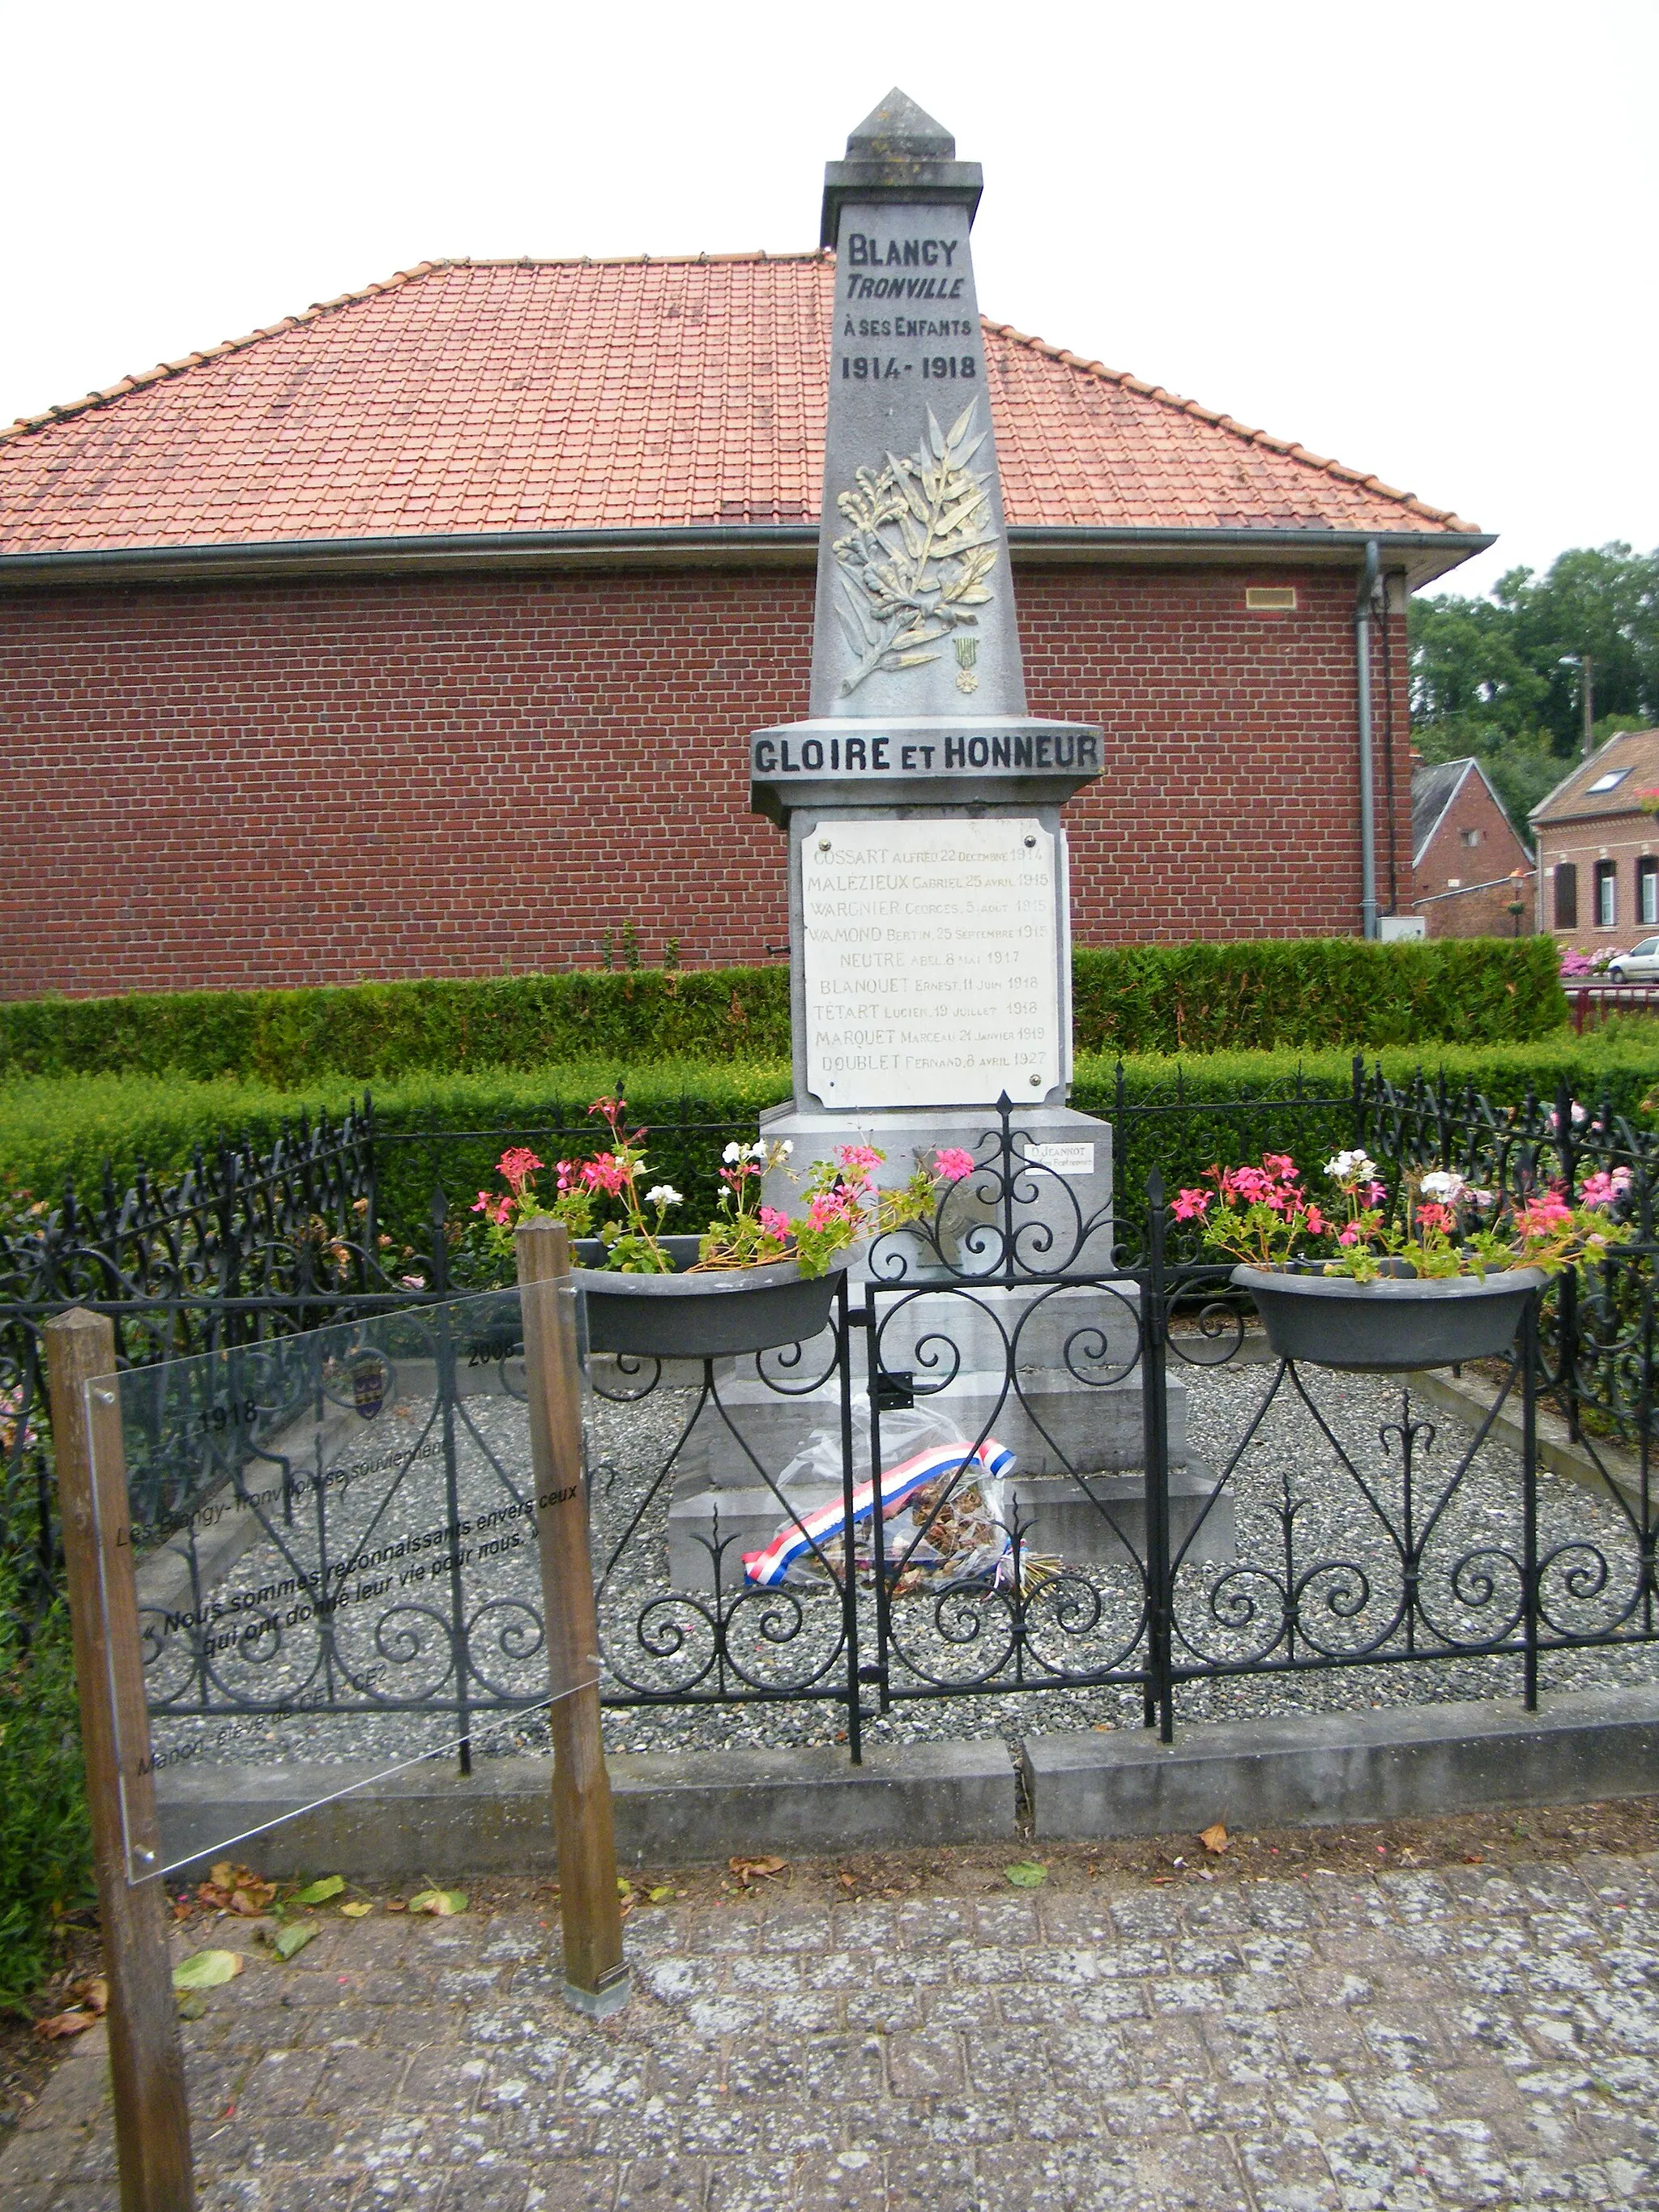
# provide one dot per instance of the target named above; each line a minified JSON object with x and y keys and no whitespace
{"x":1290,"y":1473}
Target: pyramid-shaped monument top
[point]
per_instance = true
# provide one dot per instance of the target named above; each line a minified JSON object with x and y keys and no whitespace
{"x":897,"y":130}
{"x":898,"y":153}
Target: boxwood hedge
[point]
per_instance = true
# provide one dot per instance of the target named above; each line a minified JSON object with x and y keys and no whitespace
{"x":1303,"y":994}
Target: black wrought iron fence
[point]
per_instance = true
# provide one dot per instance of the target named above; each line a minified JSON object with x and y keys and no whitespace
{"x":1128,"y":1502}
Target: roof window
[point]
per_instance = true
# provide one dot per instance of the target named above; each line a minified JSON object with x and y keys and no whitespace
{"x":1606,"y":782}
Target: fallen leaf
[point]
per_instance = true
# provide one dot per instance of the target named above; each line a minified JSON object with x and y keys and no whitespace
{"x":395,"y":1905}
{"x":192,"y":2004}
{"x":207,"y":1970}
{"x":656,"y":1896}
{"x":93,"y":1993}
{"x":318,"y":1892}
{"x":625,"y":1887}
{"x":237,"y":1889}
{"x":440,"y":1902}
{"x":355,"y":1907}
{"x":1215,"y":1838}
{"x":294,"y":1937}
{"x":1027,"y":1874}
{"x":748,"y":1871}
{"x":64,"y":2023}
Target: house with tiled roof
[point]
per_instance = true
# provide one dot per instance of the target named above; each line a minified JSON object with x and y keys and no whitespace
{"x":1471,"y":875}
{"x":422,"y":634}
{"x":1598,"y":846}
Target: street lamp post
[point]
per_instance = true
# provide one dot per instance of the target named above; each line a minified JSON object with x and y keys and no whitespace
{"x":1586,"y":666}
{"x":1517,"y":900}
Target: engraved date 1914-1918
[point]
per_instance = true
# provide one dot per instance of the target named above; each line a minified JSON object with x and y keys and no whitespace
{"x":866,"y":369}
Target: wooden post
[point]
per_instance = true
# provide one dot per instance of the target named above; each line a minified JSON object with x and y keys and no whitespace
{"x":152,"y":2119}
{"x":596,"y":1979}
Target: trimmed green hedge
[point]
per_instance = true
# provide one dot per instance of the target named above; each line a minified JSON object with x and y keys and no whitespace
{"x":1302,"y":992}
{"x":51,"y":1131}
{"x":63,"y":1129}
{"x":1306,"y":993}
{"x":382,"y":1032}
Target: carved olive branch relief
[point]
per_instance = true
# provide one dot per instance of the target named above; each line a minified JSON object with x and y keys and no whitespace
{"x":915,"y":562}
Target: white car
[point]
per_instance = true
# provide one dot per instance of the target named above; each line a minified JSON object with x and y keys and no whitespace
{"x":1640,"y":966}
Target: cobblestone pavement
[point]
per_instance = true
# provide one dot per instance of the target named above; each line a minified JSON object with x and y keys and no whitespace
{"x":1414,"y":2039}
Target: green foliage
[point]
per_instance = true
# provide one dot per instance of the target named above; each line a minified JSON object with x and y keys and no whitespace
{"x":450,"y":1129}
{"x":1181,"y":1114}
{"x":1175,"y":998}
{"x":46,"y":1842}
{"x":1313,"y":992}
{"x":1501,"y":678}
{"x":377,"y":1032}
{"x":54,"y":1129}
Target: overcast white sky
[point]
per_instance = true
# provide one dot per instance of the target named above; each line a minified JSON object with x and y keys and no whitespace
{"x":1419,"y":238}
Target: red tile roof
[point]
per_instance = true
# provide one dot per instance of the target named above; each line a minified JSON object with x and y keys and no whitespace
{"x":466,"y":397}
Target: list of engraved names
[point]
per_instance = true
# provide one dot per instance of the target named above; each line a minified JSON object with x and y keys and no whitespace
{"x":930,"y":962}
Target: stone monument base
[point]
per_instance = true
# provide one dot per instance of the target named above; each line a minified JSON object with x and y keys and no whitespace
{"x":1068,"y":1187}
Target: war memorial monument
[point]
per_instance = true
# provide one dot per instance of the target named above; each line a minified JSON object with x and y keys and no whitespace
{"x":930,"y":937}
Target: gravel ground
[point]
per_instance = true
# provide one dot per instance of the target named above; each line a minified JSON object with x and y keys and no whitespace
{"x":1290,"y":1478}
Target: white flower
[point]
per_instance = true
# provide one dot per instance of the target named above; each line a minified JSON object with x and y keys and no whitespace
{"x":760,"y":1149}
{"x":1444,"y":1186}
{"x":662,"y":1194}
{"x":788,"y":1147}
{"x":1348,"y":1167}
{"x":731,"y":1154}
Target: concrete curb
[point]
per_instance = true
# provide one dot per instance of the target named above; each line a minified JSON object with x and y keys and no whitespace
{"x":670,"y":1809}
{"x":1307,"y":1770}
{"x":1317,"y":1770}
{"x":1470,"y":1398}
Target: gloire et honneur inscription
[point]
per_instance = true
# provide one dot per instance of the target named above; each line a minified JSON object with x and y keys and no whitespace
{"x":930,"y":962}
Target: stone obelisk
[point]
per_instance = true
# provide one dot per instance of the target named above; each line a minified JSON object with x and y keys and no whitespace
{"x":930,"y":945}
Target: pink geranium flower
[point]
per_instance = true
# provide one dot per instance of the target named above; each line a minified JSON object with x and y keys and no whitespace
{"x":516,"y":1165}
{"x":607,"y":1173}
{"x":774,"y":1223}
{"x":1191,"y":1205}
{"x":953,"y":1162}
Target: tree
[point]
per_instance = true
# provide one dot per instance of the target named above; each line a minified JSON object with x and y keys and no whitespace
{"x":1494,"y":677}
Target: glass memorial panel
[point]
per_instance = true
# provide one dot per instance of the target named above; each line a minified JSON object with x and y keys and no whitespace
{"x":334,"y":1538}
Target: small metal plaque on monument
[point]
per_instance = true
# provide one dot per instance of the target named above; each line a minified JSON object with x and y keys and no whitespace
{"x":929,"y":902}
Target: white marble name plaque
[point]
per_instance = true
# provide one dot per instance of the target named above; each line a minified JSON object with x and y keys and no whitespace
{"x":930,"y":962}
{"x":1062,"y":1159}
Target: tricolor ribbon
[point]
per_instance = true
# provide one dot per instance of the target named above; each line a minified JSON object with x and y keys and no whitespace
{"x":898,"y":1485}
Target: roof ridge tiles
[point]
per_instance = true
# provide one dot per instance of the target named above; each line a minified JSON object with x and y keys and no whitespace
{"x":1293,"y":450}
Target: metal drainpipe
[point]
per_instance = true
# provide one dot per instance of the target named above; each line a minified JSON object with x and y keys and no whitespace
{"x":1362,"y":646}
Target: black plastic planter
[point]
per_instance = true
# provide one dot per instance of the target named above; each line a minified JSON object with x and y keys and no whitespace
{"x":680,"y":1316}
{"x":1393,"y":1324}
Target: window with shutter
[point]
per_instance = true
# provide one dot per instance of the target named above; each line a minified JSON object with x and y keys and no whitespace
{"x":1606,"y":894}
{"x":1566,"y":895}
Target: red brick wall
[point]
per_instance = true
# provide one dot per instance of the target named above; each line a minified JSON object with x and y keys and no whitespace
{"x":1448,"y":861}
{"x":449,"y":776}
